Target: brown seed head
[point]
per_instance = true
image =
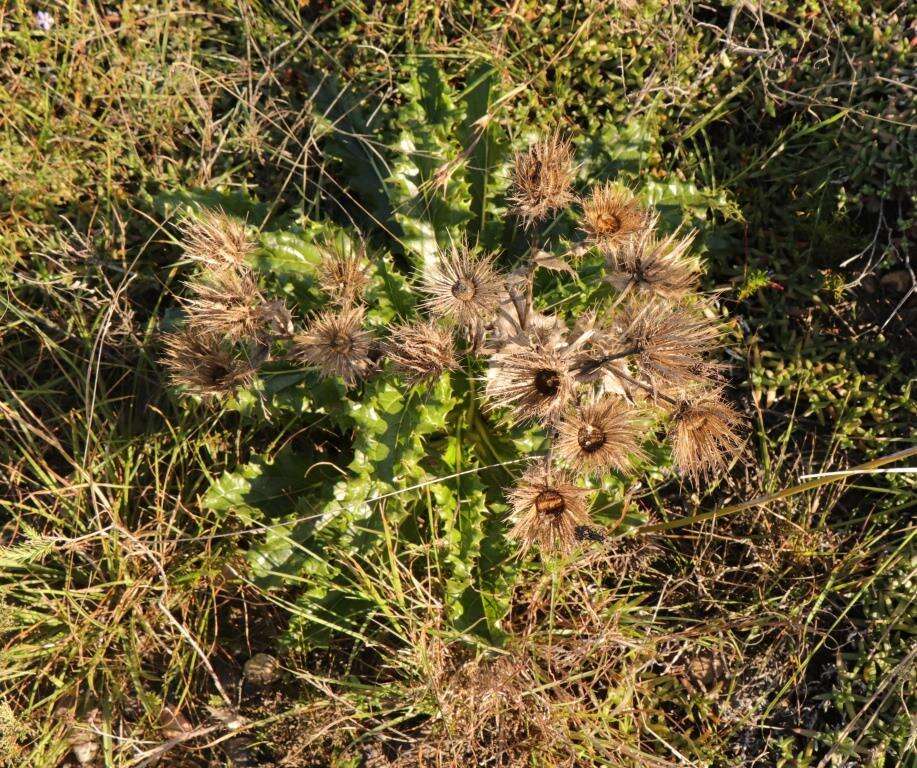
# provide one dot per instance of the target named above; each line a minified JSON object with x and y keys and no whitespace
{"x":542,"y":179}
{"x":203,"y":363}
{"x":704,"y":432}
{"x":344,"y":276}
{"x":228,"y":303}
{"x":600,"y":436}
{"x":337,"y":344}
{"x":421,"y":351}
{"x":668,"y":342}
{"x":612,"y":217}
{"x":216,"y":240}
{"x":657,"y":267}
{"x":534,"y":382}
{"x":463,"y":288}
{"x":547,"y":510}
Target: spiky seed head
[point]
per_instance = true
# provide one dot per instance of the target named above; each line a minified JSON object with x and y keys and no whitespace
{"x":337,"y":344}
{"x":228,"y":303}
{"x":612,"y":217}
{"x":343,"y":275}
{"x":421,"y":350}
{"x":600,"y":436}
{"x":542,"y":179}
{"x":203,"y":363}
{"x":535,"y":383}
{"x":668,"y":342}
{"x":215,"y":239}
{"x":462,"y":287}
{"x":654,"y":266}
{"x":547,"y":510}
{"x":705,"y":434}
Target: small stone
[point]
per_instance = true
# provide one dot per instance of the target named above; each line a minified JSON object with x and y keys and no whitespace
{"x":897,"y":282}
{"x":173,"y":724}
{"x":83,"y":741}
{"x":261,"y":669}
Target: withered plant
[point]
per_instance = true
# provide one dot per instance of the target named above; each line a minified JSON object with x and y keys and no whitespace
{"x":598,"y":383}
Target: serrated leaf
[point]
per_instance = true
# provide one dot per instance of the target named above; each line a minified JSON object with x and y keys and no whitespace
{"x":462,"y":509}
{"x":554,"y":263}
{"x":486,"y":150}
{"x":296,"y":253}
{"x":265,"y":488}
{"x":430,"y":196}
{"x":681,"y":201}
{"x":389,"y":297}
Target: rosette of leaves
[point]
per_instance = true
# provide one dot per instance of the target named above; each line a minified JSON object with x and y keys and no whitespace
{"x":415,"y":470}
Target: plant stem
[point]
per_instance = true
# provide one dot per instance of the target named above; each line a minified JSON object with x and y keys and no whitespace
{"x":779,"y":495}
{"x":590,"y":365}
{"x":645,"y":387}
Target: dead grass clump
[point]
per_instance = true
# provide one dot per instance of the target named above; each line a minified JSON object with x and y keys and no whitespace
{"x":314,"y":735}
{"x":493,"y":712}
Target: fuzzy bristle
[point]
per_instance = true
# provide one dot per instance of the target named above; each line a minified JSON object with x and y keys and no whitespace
{"x":542,"y":179}
{"x":215,"y":239}
{"x":535,"y":383}
{"x":547,"y":510}
{"x":463,"y":288}
{"x":655,"y":266}
{"x":612,"y":217}
{"x":203,"y":363}
{"x":600,"y":436}
{"x":421,"y":351}
{"x":668,"y":342}
{"x":337,"y":344}
{"x":228,"y":303}
{"x":343,"y":275}
{"x":705,"y":434}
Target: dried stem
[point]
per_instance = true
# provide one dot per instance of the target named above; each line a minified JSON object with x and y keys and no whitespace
{"x":588,"y":366}
{"x":644,"y":386}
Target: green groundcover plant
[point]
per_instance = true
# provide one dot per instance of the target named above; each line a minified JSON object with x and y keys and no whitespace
{"x":539,"y":338}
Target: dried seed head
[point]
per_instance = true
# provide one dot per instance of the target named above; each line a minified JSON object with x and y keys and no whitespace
{"x":658,"y":267}
{"x":704,"y":432}
{"x":463,"y":288}
{"x":547,"y":510}
{"x":216,"y":240}
{"x":228,"y":303}
{"x":600,"y":436}
{"x":668,"y":342}
{"x":542,"y":179}
{"x":336,"y":344}
{"x":612,"y":217}
{"x":344,"y":276}
{"x":534,"y":382}
{"x":421,"y":351}
{"x":203,"y":363}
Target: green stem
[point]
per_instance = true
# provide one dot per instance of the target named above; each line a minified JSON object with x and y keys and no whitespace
{"x":778,"y":496}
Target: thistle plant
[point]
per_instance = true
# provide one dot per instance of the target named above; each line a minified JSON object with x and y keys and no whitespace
{"x":600,"y":384}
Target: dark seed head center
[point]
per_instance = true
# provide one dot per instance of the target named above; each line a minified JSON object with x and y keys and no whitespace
{"x":463,"y":289}
{"x":549,"y":502}
{"x":609,"y":223}
{"x":340,"y":343}
{"x":591,"y":438}
{"x":547,"y":382}
{"x":218,"y":371}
